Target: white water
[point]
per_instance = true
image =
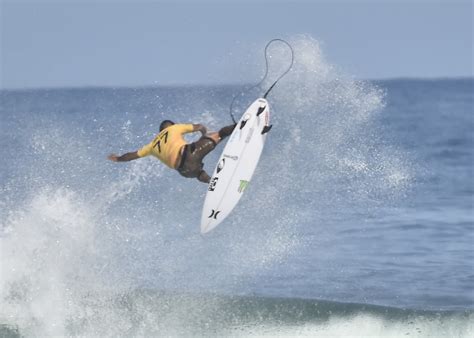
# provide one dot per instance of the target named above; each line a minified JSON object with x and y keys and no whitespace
{"x":74,"y":224}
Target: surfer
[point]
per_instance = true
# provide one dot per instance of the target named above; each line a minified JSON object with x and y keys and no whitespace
{"x":171,"y":149}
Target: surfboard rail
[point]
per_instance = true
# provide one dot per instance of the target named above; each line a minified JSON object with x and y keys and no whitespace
{"x":236,"y":165}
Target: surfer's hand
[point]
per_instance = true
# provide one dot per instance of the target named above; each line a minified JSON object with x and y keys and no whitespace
{"x":113,"y":157}
{"x":202,"y":129}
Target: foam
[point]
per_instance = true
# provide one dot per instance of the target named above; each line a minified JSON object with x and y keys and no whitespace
{"x":365,"y":325}
{"x":84,"y":225}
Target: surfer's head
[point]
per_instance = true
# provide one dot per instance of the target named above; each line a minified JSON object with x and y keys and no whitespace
{"x":165,"y":124}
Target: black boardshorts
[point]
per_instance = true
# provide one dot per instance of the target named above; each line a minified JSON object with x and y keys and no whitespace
{"x":191,"y":160}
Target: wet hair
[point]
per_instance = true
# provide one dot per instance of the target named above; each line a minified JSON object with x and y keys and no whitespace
{"x":163,"y":124}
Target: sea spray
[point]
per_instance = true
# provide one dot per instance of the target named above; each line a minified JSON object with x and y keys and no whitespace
{"x":81,"y":232}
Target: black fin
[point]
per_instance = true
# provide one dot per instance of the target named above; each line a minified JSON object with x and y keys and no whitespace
{"x":266,"y":129}
{"x":242,"y":124}
{"x":260,"y":110}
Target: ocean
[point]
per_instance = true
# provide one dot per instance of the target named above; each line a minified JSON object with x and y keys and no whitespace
{"x":358,"y":221}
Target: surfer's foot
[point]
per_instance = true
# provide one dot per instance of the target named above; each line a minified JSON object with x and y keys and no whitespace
{"x":226,"y":131}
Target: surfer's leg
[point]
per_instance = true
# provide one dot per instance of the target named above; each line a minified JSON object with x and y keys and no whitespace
{"x":226,"y":131}
{"x":203,"y":146}
{"x":221,"y":134}
{"x":195,"y":152}
{"x":214,"y":136}
{"x":204,"y":177}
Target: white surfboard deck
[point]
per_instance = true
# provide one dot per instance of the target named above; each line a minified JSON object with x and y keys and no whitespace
{"x":236,"y":165}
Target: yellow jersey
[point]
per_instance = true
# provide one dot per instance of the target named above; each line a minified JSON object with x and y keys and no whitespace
{"x":166,"y":146}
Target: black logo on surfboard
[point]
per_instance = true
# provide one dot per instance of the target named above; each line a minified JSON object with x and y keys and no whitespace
{"x":214,"y":214}
{"x":221,"y":165}
{"x":232,"y":157}
{"x":213,"y":183}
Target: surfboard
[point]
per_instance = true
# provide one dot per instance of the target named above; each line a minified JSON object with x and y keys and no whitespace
{"x":236,"y":165}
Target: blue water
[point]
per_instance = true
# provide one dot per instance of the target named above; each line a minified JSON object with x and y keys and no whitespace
{"x":358,"y":221}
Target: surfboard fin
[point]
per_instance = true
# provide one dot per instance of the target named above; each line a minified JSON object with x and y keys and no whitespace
{"x":260,"y":110}
{"x":266,"y":129}
{"x":242,"y":124}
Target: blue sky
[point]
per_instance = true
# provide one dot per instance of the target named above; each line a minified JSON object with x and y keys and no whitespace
{"x":127,"y":43}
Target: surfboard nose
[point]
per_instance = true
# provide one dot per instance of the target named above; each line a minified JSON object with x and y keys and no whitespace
{"x":208,"y":225}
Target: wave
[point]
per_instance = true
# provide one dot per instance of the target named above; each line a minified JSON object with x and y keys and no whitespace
{"x":151,"y":313}
{"x":74,"y":226}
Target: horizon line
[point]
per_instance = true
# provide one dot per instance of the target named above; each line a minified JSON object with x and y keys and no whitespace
{"x":196,"y":85}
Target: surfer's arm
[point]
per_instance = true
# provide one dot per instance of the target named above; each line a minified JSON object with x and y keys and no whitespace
{"x":125,"y":157}
{"x":201,"y":128}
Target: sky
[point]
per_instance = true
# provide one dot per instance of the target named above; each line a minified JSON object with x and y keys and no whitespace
{"x":76,"y":43}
